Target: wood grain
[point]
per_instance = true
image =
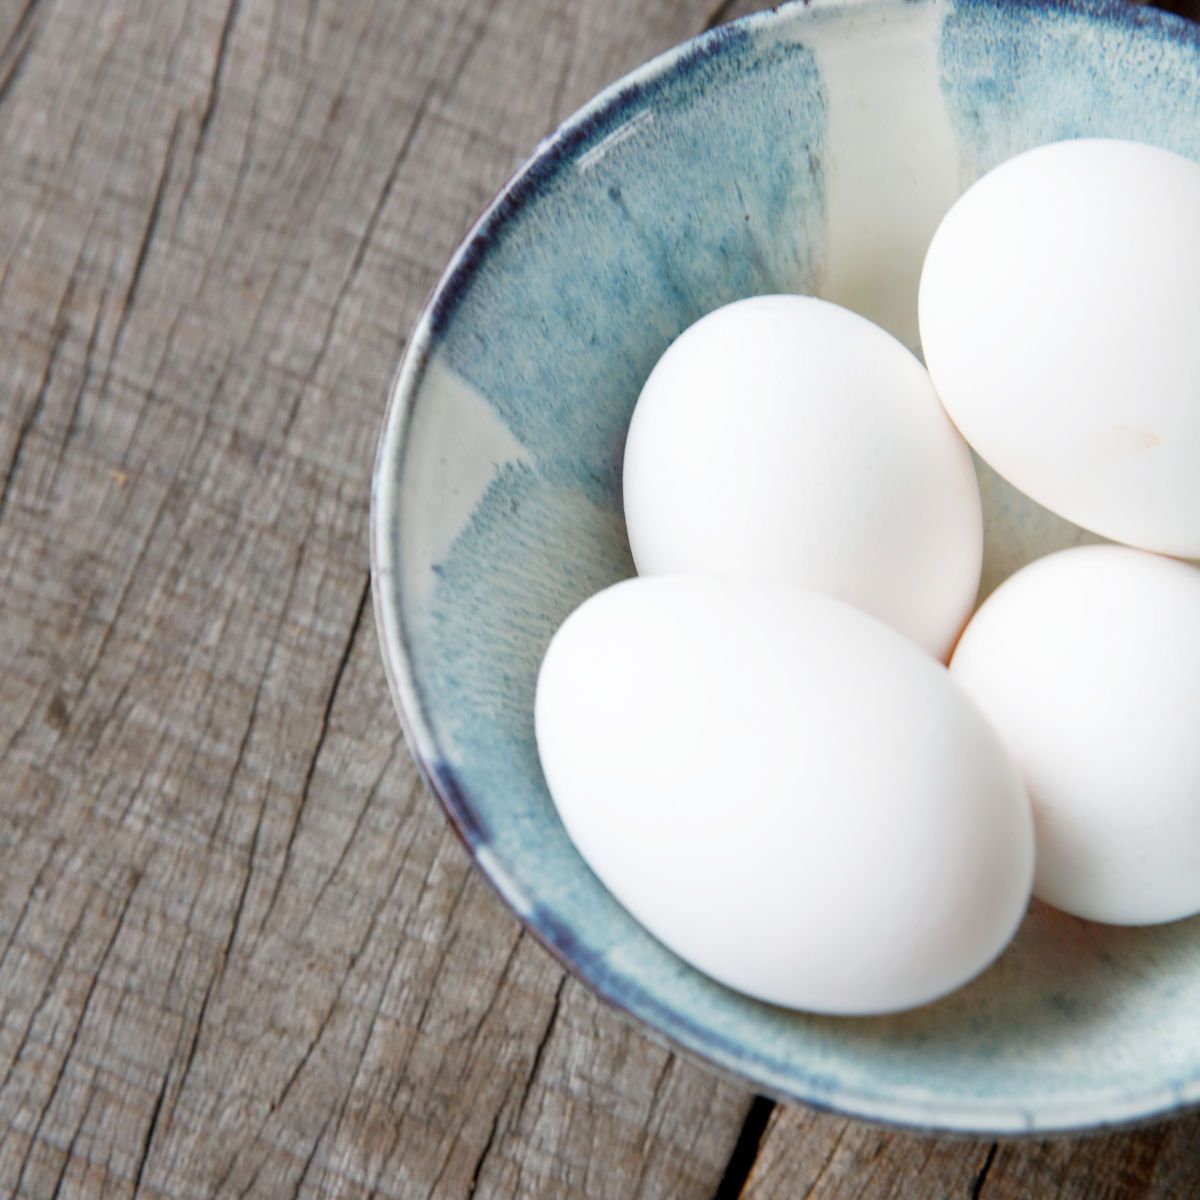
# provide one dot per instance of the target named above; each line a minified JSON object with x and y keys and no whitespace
{"x":240,"y":953}
{"x":814,"y":1156}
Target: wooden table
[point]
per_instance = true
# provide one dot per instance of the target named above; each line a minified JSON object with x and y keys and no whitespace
{"x":240,"y":952}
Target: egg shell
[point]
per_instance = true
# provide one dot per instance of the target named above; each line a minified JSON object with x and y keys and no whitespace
{"x":1058,"y":314}
{"x":1088,"y":664}
{"x":783,"y":438}
{"x":792,"y":797}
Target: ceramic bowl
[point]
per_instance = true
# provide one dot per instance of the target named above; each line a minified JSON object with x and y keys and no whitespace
{"x":812,"y":149}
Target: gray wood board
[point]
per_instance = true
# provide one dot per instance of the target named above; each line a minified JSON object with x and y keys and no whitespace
{"x":240,"y":952}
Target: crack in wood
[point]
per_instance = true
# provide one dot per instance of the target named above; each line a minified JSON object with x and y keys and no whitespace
{"x":311,"y":1157}
{"x":356,"y":262}
{"x":445,"y":947}
{"x":239,"y":759}
{"x":501,"y":979}
{"x":69,"y":1155}
{"x":89,"y":355}
{"x":745,"y":1150}
{"x":244,"y":154}
{"x":655,"y":1094}
{"x":483,"y":1154}
{"x":357,"y":953}
{"x":368,"y":1036}
{"x":47,"y":990}
{"x":69,"y":1054}
{"x":720,"y":14}
{"x":194,"y":1043}
{"x":151,"y":1129}
{"x":58,"y":332}
{"x":149,"y":229}
{"x":310,"y":770}
{"x":307,"y":1054}
{"x":31,"y":896}
{"x":981,"y":1179}
{"x":543,"y":1042}
{"x":368,"y":234}
{"x":829,"y":1158}
{"x":351,"y":838}
{"x":16,"y":50}
{"x":112,"y":625}
{"x":335,"y":160}
{"x":310,"y":16}
{"x":214,"y":90}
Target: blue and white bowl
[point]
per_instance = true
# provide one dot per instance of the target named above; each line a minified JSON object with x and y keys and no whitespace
{"x":811,"y":149}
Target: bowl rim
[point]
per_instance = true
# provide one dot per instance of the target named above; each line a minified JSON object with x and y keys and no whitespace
{"x":923,"y":1112}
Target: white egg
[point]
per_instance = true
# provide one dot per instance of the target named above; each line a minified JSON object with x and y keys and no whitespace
{"x":783,"y":438}
{"x":1058,"y":319}
{"x":1088,"y":664}
{"x":793,"y":798}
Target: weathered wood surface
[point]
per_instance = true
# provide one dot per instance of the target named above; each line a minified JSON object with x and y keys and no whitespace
{"x":821,"y":1157}
{"x":240,"y":953}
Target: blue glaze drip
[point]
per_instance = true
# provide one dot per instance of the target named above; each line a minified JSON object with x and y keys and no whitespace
{"x":1021,"y":73}
{"x":614,"y":256}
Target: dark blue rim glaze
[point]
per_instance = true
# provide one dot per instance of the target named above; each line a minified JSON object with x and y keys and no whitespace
{"x":664,"y":1024}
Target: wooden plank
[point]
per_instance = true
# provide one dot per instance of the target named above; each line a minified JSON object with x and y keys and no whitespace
{"x":240,"y":951}
{"x":821,"y":1157}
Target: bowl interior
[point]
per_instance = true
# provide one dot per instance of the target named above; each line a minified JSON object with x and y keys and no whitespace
{"x":811,"y":150}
